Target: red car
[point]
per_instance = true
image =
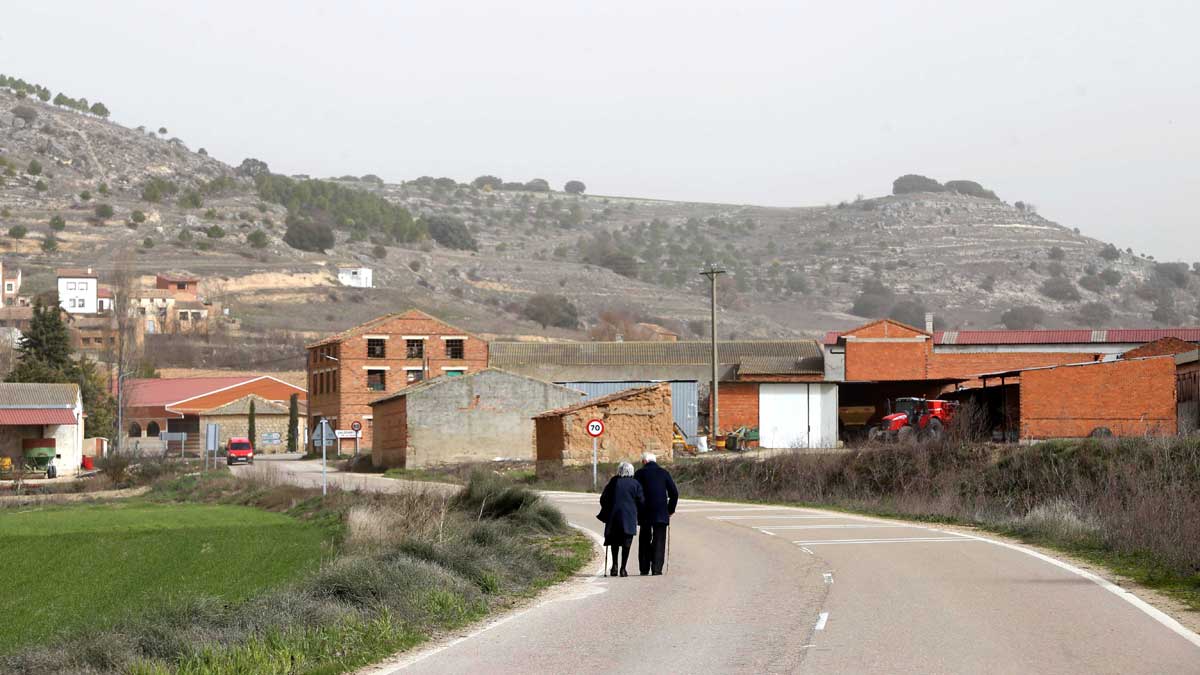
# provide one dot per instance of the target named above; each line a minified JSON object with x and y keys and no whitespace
{"x":239,"y":450}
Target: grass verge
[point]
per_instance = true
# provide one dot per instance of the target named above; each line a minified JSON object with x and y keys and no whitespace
{"x":69,"y":567}
{"x":407,"y":566}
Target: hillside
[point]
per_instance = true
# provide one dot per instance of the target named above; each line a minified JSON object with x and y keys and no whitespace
{"x":619,"y":260}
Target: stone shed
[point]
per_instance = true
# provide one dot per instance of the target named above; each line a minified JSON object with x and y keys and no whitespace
{"x":474,"y":417}
{"x":636,"y":420}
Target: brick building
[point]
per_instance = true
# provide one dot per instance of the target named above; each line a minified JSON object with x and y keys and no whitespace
{"x":636,"y":421}
{"x":349,"y":370}
{"x":481,"y":416}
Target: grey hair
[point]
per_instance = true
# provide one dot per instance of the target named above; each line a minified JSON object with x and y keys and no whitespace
{"x":648,"y":457}
{"x":625,"y":469}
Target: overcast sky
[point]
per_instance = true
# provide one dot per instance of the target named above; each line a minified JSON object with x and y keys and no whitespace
{"x":1090,"y":110}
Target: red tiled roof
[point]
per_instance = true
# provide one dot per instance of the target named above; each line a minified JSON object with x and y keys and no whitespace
{"x":36,"y":416}
{"x":1049,"y":337}
{"x":160,"y":392}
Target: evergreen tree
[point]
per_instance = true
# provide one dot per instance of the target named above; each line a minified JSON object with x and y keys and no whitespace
{"x":293,"y":422}
{"x":44,"y":355}
{"x":250,"y":430}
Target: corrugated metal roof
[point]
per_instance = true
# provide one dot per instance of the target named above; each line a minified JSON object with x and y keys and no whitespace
{"x":617,"y":396}
{"x":758,"y":365}
{"x":421,"y":386}
{"x":36,"y":416}
{"x":1049,"y":337}
{"x":688,"y":353}
{"x":16,"y":395}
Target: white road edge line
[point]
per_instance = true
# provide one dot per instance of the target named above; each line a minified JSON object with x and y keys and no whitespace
{"x":822,"y":618}
{"x":395,"y":667}
{"x":1152,"y":611}
{"x":782,"y":516}
{"x":806,"y":550}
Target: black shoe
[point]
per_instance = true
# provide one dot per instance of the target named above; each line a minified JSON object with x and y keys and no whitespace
{"x":612,"y":572}
{"x":645,"y":574}
{"x":657,"y":574}
{"x":624,"y":573}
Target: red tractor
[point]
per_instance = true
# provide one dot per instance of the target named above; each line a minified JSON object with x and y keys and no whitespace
{"x":914,"y":417}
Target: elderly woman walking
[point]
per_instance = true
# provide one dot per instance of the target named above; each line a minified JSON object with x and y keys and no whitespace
{"x":619,"y":504}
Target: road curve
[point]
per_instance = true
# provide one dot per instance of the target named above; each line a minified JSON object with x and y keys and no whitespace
{"x":764,"y":589}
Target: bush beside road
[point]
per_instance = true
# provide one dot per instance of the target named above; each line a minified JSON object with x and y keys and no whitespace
{"x":402,"y":567}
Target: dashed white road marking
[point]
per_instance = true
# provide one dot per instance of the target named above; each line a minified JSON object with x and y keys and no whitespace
{"x":828,"y":577}
{"x":806,"y":550}
{"x":773,"y":516}
{"x":839,"y":527}
{"x":822,"y":618}
{"x":898,"y":540}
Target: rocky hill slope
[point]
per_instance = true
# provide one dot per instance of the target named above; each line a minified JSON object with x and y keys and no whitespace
{"x":76,"y":189}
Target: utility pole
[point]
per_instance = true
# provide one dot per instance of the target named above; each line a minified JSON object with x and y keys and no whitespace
{"x":714,"y":419}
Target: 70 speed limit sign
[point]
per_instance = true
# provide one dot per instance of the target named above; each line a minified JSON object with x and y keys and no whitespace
{"x":595,"y":428}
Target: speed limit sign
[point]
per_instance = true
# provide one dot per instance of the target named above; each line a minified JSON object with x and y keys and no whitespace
{"x":595,"y":428}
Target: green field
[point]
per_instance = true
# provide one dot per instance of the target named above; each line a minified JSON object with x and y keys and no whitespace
{"x":72,"y":567}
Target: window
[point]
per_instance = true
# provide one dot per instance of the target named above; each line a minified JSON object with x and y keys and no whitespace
{"x":183,"y":316}
{"x":182,"y":286}
{"x":454,"y":373}
{"x":412,"y":376}
{"x":135,"y":430}
{"x":377,"y":380}
{"x":152,"y":428}
{"x":376,"y":348}
{"x":83,"y":285}
{"x":415,"y":349}
{"x":71,"y":287}
{"x":454,"y":349}
{"x":8,"y":287}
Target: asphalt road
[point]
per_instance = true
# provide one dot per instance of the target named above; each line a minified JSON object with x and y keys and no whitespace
{"x":757,"y":589}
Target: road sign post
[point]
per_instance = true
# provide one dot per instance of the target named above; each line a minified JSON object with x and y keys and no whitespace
{"x":324,"y":431}
{"x":211,"y":441}
{"x":595,"y":429}
{"x":356,"y":427}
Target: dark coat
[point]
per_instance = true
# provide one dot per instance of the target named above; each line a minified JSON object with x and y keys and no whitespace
{"x":661,"y":495}
{"x":619,"y":504}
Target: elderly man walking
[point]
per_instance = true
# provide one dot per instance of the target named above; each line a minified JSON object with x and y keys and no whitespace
{"x":661,"y":498}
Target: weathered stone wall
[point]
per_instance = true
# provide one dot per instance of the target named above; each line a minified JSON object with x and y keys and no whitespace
{"x":239,"y":425}
{"x":633,"y":425}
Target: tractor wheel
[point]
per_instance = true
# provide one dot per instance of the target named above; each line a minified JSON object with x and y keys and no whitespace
{"x":934,"y":429}
{"x":874,"y":434}
{"x":51,"y":472}
{"x":906,"y":434}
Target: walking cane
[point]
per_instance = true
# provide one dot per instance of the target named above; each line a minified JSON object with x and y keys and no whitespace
{"x":605,"y":559}
{"x":668,"y":556}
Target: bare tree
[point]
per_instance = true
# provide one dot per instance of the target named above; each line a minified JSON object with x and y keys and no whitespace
{"x":125,"y":354}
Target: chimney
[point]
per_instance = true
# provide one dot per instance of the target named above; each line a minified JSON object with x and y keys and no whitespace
{"x":928,"y":322}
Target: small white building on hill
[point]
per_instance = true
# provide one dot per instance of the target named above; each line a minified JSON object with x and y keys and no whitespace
{"x":355,"y":277}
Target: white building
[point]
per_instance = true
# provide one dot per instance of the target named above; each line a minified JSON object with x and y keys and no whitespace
{"x":357,"y":277}
{"x":78,"y":291}
{"x":42,"y":416}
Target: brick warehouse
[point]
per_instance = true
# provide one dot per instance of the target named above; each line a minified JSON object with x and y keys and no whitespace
{"x":349,"y":370}
{"x":1032,"y":383}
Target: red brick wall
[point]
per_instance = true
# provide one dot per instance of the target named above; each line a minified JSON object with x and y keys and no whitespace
{"x":1132,"y":398}
{"x":352,"y":400}
{"x":884,"y":329}
{"x":389,"y":445}
{"x":872,"y":361}
{"x":739,"y":405}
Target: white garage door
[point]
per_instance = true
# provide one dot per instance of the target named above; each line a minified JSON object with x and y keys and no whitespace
{"x":797,"y":415}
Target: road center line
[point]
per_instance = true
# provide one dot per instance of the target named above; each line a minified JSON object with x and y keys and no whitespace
{"x":838,"y":527}
{"x":822,"y":618}
{"x":828,"y":577}
{"x":899,"y":540}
